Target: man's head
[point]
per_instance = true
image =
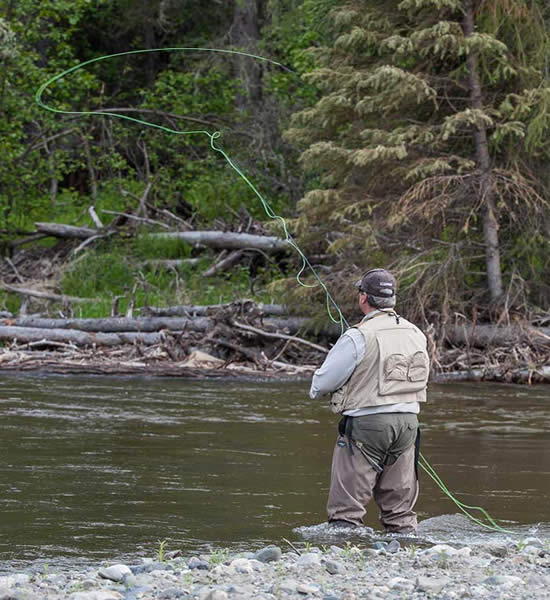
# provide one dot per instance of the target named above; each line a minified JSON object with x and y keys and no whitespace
{"x":377,"y":287}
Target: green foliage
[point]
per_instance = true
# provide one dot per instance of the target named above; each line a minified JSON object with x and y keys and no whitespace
{"x":393,"y":139}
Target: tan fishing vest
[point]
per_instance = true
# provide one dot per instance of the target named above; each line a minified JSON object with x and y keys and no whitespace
{"x":395,"y":367}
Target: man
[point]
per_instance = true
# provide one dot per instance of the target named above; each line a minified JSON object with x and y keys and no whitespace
{"x":376,"y":374}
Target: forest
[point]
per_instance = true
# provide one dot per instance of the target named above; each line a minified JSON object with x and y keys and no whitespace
{"x":253,"y":159}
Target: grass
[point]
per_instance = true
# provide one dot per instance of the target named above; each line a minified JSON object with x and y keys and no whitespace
{"x":118,"y":271}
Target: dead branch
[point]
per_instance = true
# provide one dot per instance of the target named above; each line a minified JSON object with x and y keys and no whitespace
{"x":280,"y":336}
{"x":43,"y":295}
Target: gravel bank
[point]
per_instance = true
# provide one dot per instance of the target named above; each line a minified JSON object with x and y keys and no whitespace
{"x":365,"y":571}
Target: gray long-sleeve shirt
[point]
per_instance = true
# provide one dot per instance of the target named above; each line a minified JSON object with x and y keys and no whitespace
{"x":338,"y":367}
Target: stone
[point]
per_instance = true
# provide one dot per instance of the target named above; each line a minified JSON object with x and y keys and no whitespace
{"x":242,"y":565}
{"x":6,"y":593}
{"x":334,"y":567}
{"x":198,"y":563}
{"x":309,"y":559}
{"x":431,"y":584}
{"x":115,"y":572}
{"x":379,"y":546}
{"x":307,"y":589}
{"x":400,"y":584}
{"x":287,"y":585}
{"x":393,"y":547}
{"x":503,"y":580}
{"x":216,"y":595}
{"x":268,"y":554}
{"x":336,"y":550}
{"x":96,"y":595}
{"x":533,"y":550}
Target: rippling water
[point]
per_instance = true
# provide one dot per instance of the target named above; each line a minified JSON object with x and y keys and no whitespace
{"x":96,"y":467}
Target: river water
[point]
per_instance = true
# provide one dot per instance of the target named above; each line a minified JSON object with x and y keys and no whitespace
{"x":97,"y":468}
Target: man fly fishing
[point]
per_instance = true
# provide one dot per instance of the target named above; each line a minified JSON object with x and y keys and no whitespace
{"x":376,"y":374}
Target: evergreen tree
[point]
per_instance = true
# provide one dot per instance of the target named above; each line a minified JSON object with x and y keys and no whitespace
{"x":427,"y":140}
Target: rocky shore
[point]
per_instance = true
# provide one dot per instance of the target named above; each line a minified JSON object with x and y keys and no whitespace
{"x":379,"y":570}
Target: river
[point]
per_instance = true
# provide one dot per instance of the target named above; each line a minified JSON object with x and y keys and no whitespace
{"x":105,"y":468}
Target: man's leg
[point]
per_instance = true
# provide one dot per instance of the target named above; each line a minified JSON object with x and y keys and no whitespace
{"x":351,"y":484}
{"x":396,"y":492}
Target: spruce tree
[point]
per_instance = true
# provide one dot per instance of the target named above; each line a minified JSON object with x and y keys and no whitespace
{"x":427,"y":140}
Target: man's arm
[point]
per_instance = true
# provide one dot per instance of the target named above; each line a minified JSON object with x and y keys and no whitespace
{"x":338,"y":366}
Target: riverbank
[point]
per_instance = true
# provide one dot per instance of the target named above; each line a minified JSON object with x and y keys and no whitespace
{"x":379,"y":570}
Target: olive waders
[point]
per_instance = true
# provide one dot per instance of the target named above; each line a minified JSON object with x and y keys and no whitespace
{"x":375,"y":457}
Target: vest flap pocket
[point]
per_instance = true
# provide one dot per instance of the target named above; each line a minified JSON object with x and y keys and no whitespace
{"x":403,"y":361}
{"x":396,"y":367}
{"x":418,"y":367}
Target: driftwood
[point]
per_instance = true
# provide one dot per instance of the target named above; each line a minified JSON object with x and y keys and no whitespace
{"x":190,"y":310}
{"x":112,"y":324}
{"x":227,"y":240}
{"x":490,"y":335}
{"x":65,"y":231}
{"x":540,"y":374}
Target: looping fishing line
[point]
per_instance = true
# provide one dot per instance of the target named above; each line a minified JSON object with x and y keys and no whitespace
{"x":306,"y":265}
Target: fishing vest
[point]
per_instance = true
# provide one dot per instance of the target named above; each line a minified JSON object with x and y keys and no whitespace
{"x":395,"y":367}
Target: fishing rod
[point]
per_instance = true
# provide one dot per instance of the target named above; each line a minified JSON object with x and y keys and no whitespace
{"x":331,"y":303}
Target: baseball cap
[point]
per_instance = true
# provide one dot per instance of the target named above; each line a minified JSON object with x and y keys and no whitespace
{"x":378,"y":282}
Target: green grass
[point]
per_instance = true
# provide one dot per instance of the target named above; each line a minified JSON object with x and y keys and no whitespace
{"x":118,"y":269}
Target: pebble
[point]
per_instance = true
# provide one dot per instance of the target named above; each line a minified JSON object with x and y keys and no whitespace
{"x":198,"y":563}
{"x":355,"y":573}
{"x":431,"y":584}
{"x":97,"y":595}
{"x":400,"y":584}
{"x":307,"y":589}
{"x":334,"y":567}
{"x":504,"y":580}
{"x":115,"y":572}
{"x":393,"y":547}
{"x":242,"y":565}
{"x":309,"y":559}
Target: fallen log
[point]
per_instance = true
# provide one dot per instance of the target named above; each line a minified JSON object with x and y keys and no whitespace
{"x":499,"y":373}
{"x":226,"y":240}
{"x":65,"y":231}
{"x":195,"y":310}
{"x":484,"y":335}
{"x":112,"y":324}
{"x":79,"y":338}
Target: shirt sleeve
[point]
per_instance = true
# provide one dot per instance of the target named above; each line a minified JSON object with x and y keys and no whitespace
{"x":337,"y":368}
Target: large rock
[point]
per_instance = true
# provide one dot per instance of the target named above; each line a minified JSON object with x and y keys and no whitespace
{"x":268,"y":554}
{"x":115,"y":572}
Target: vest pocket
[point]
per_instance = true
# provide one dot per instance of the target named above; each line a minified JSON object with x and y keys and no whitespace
{"x":418,"y":367}
{"x":396,"y":367}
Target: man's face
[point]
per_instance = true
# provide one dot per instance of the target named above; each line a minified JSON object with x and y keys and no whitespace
{"x":362,"y":300}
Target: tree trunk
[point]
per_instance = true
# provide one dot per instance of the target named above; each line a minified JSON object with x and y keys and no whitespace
{"x":490,"y":222}
{"x":244,"y":36}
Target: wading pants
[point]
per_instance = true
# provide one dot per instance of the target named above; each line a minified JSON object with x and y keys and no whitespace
{"x":374,"y":456}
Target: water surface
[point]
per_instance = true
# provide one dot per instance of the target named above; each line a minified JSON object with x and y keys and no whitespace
{"x":104,"y":468}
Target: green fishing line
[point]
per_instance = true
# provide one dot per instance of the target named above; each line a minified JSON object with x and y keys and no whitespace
{"x":306,"y":265}
{"x":212,"y":136}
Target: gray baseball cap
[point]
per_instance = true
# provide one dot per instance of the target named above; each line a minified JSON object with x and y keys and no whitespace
{"x":378,"y":282}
